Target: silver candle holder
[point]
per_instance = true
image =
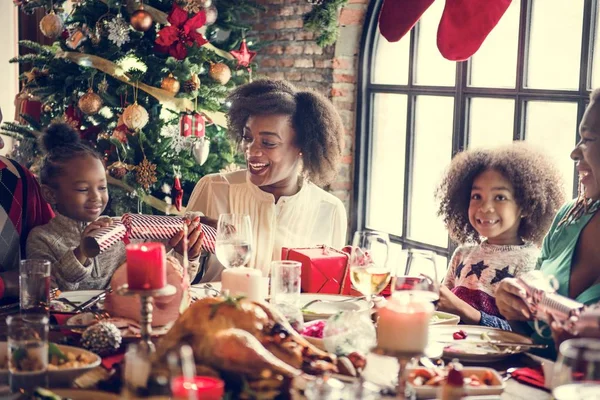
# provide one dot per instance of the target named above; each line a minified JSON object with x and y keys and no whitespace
{"x":146,"y":297}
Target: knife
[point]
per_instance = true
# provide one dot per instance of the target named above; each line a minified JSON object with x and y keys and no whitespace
{"x":495,"y":343}
{"x":89,"y":303}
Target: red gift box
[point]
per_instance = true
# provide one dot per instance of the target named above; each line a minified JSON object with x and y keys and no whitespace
{"x":192,"y":125}
{"x":324,"y":269}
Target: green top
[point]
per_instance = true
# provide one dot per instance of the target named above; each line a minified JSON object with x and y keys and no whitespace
{"x":555,"y":259}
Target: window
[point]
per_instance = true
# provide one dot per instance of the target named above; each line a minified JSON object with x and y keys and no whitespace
{"x":529,"y":81}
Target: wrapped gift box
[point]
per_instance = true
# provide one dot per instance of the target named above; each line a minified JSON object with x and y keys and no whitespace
{"x":324,"y":269}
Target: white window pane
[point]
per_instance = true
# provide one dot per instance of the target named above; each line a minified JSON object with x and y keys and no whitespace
{"x":390,"y":65}
{"x":555,"y":44}
{"x":491,"y":122}
{"x":432,"y":69}
{"x":495,"y":63}
{"x":432,"y":153}
{"x":596,"y":54}
{"x":395,"y":257}
{"x":386,"y":194}
{"x":552,"y":126}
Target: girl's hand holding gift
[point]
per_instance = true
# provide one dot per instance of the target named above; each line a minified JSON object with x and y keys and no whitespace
{"x":194,"y":241}
{"x":100,"y":223}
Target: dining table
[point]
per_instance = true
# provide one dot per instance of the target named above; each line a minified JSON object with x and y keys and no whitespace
{"x":376,"y":367}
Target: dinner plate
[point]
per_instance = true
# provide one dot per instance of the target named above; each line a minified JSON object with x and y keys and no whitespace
{"x":80,"y":394}
{"x":128,"y":327}
{"x":473,"y":348}
{"x":57,"y":377}
{"x":329,"y":305}
{"x":79,"y":296}
{"x":430,"y":391}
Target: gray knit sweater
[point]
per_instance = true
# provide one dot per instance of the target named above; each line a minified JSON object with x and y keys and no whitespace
{"x":56,"y":241}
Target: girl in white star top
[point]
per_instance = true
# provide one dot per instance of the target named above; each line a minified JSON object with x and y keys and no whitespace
{"x":498,"y":204}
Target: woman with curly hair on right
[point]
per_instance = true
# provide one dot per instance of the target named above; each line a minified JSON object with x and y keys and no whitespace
{"x":292,"y":141}
{"x":498,"y":204}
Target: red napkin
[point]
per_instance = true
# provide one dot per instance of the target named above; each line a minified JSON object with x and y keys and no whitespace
{"x":109,"y":361}
{"x":530,"y":376}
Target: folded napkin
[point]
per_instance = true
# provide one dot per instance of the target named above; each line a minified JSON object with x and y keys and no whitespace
{"x":109,"y":362}
{"x":530,"y":376}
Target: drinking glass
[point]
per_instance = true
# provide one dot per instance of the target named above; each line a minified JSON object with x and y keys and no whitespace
{"x":185,"y":385}
{"x":234,"y":240}
{"x":369,"y":271}
{"x":34,"y":286}
{"x":27,"y":352}
{"x":142,"y":378}
{"x":285,"y":282}
{"x":418,"y":280}
{"x":577,"y":370}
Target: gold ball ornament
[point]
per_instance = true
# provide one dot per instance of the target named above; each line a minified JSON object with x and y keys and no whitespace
{"x":135,"y":117}
{"x":141,"y":20}
{"x":170,"y":84}
{"x":90,"y":103}
{"x":52,"y":25}
{"x":220,"y":72}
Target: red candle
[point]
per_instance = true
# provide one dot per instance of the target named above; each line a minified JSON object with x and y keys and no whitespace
{"x":146,"y":266}
{"x":203,"y":388}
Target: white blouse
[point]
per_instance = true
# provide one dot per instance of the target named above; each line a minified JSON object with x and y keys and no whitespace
{"x":311,"y":217}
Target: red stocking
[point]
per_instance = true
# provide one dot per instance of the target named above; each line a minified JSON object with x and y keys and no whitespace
{"x":465,"y":24}
{"x":397,"y":17}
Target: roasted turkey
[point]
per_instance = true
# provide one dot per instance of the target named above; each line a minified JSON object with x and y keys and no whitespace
{"x":239,"y":337}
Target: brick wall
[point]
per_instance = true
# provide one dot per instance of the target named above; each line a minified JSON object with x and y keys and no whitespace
{"x":292,"y":54}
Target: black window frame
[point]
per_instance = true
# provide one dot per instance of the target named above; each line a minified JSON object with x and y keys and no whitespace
{"x":461,"y":93}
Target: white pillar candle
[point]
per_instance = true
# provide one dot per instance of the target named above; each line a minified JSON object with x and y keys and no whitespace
{"x":244,"y":281}
{"x":404,"y":326}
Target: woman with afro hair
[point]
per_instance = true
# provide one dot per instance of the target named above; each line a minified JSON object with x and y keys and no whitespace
{"x":497,"y":204}
{"x":292,"y":141}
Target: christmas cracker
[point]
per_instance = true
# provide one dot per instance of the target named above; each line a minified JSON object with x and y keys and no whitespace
{"x":145,"y":227}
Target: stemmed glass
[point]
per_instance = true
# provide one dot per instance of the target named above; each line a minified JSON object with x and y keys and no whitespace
{"x":577,"y":370}
{"x":233,"y":245}
{"x":369,"y":271}
{"x":418,"y":281}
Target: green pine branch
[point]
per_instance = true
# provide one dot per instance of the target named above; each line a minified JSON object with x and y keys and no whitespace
{"x":323,"y":20}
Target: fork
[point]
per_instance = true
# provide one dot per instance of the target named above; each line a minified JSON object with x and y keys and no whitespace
{"x":348,"y":300}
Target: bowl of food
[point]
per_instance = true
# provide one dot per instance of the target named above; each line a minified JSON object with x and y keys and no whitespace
{"x":477,"y":381}
{"x":444,"y":318}
{"x":313,"y":332}
{"x":65,"y":363}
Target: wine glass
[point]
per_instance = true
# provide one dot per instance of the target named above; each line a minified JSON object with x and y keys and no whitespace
{"x":233,"y":245}
{"x":418,"y":281}
{"x":369,"y":271}
{"x":577,"y":370}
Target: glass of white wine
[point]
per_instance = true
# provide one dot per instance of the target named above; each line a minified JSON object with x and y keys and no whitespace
{"x":418,"y":280}
{"x":368,"y":262}
{"x":234,"y":240}
{"x":577,"y":370}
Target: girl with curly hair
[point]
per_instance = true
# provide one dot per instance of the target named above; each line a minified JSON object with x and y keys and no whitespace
{"x":292,"y":141}
{"x":498,"y":204}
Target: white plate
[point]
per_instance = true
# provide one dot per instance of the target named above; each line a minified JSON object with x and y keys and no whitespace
{"x":467,"y":350}
{"x":129,"y":328}
{"x":81,"y":394}
{"x":329,"y":307}
{"x":444,"y":318}
{"x":60,"y":377}
{"x":200,"y":290}
{"x":79,"y":296}
{"x":496,"y":388}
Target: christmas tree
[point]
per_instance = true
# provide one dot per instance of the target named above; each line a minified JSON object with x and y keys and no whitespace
{"x":143,"y":82}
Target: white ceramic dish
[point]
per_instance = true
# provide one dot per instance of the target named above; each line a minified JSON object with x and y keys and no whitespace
{"x":496,"y":388}
{"x":129,"y":328}
{"x":330,"y":306}
{"x":444,"y":318}
{"x":59,"y":377}
{"x":474,"y":348}
{"x":80,"y":394}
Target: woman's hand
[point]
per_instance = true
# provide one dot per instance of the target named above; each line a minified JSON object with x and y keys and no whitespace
{"x":100,"y":223}
{"x":509,"y":299}
{"x":194,"y":239}
{"x":449,"y":302}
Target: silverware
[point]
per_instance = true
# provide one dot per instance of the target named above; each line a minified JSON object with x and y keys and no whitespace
{"x":88,"y":304}
{"x":348,"y":300}
{"x":496,"y":343}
